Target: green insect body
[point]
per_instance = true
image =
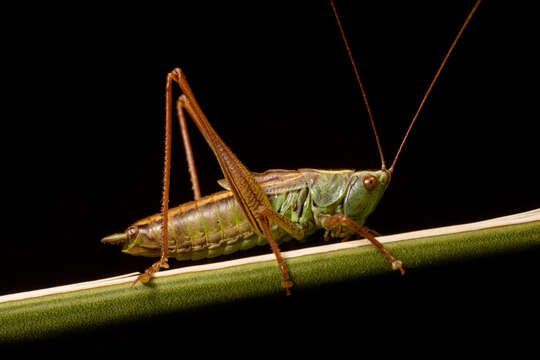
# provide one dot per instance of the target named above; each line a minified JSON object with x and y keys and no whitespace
{"x":215,"y":224}
{"x":257,"y":209}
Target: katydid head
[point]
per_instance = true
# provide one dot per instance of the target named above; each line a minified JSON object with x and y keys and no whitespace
{"x":136,"y":240}
{"x":355,"y":194}
{"x":364,"y":192}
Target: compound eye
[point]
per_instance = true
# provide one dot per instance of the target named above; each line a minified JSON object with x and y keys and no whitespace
{"x":370,"y":182}
{"x":132,"y":232}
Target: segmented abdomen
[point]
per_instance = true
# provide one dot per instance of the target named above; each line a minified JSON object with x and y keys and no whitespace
{"x":215,"y":225}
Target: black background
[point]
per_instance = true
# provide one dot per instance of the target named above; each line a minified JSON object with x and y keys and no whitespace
{"x":275,"y":81}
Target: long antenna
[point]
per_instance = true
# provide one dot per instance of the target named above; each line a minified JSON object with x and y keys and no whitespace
{"x":383,"y":166}
{"x":434,"y":81}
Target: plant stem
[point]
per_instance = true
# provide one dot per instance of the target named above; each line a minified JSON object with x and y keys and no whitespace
{"x":93,"y":305}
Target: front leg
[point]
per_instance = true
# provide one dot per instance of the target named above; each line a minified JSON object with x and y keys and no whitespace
{"x":335,"y":221}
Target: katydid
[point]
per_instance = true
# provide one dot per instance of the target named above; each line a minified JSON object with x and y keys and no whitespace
{"x":259,"y":208}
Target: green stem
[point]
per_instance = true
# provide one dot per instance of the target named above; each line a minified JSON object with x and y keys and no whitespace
{"x":102,"y":304}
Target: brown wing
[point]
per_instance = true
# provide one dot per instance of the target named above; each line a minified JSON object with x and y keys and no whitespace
{"x":275,"y":181}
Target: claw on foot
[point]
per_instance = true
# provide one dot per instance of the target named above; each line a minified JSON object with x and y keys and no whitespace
{"x":144,"y":278}
{"x":287,"y":284}
{"x":147,"y":276}
{"x":398,"y":265}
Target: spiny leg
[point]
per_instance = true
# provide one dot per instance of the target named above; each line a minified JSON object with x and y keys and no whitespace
{"x":246,"y":190}
{"x":339,"y":219}
{"x":267,"y":216}
{"x":180,"y":105}
{"x":163,"y":261}
{"x":286,"y":281}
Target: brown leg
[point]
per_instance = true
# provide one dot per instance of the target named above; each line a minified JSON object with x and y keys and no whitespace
{"x":293,"y":229}
{"x":247,"y":192}
{"x":180,"y":105}
{"x":162,"y":263}
{"x":266,"y":216}
{"x":286,"y":282}
{"x":339,"y":219}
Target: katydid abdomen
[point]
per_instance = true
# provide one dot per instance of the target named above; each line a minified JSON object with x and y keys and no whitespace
{"x":210,"y":227}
